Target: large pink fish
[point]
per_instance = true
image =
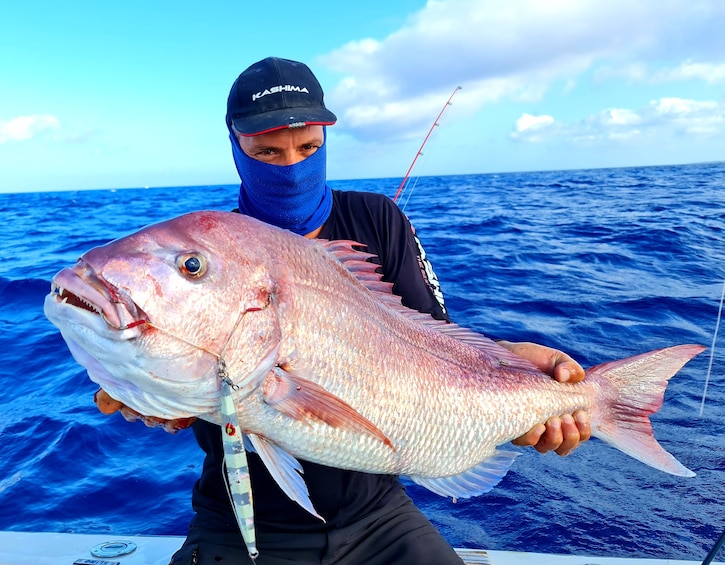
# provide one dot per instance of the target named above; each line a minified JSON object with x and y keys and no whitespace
{"x":326,"y":365}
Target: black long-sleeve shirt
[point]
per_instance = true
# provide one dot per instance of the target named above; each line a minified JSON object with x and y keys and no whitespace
{"x":339,"y":496}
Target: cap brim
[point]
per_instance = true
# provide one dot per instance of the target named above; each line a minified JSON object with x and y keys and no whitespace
{"x":282,"y":119}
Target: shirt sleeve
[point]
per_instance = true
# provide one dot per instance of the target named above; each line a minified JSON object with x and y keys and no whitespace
{"x":408,"y":267}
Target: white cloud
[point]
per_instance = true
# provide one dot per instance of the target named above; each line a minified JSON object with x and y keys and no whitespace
{"x":658,"y":119}
{"x":708,"y":72}
{"x":711,"y":73}
{"x":619,"y":117}
{"x":26,"y":127}
{"x":527,"y":121}
{"x":532,"y":128}
{"x":681,"y":108}
{"x":694,"y":117}
{"x":516,"y":50}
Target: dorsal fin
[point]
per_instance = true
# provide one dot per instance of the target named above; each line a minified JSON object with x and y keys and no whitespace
{"x":365,"y":271}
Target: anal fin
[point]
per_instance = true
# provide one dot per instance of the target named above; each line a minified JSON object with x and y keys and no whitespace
{"x":475,"y":481}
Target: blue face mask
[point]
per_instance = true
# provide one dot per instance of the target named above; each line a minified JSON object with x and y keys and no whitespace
{"x":294,"y":197}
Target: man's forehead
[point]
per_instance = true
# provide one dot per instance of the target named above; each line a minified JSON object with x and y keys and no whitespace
{"x":276,"y":138}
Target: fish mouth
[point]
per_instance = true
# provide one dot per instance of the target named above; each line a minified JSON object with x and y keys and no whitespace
{"x":122,"y":350}
{"x":81,"y":287}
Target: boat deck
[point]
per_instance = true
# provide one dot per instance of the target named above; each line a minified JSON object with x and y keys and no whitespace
{"x":33,"y":548}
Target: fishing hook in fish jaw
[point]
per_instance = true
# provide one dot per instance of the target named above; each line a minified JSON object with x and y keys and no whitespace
{"x":133,"y":324}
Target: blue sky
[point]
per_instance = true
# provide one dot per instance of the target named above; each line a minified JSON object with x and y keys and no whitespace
{"x":131,"y":94}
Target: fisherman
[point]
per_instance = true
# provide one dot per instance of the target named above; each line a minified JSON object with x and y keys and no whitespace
{"x":277,"y":123}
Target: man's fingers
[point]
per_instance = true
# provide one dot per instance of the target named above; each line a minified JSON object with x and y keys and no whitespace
{"x":109,"y":405}
{"x":581,"y":417}
{"x":569,"y":434}
{"x":532,"y":437}
{"x":560,"y":434}
{"x":105,"y":403}
{"x":566,"y":370}
{"x":552,"y":438}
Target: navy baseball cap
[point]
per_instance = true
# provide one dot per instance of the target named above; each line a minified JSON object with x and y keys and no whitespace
{"x":276,"y":94}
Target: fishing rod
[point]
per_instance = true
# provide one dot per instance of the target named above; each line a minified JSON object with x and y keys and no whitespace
{"x":714,"y":551}
{"x":420,"y":151}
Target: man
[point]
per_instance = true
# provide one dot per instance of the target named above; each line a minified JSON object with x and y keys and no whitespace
{"x":276,"y":118}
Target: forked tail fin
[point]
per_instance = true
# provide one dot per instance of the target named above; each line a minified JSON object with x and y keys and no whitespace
{"x":632,"y":390}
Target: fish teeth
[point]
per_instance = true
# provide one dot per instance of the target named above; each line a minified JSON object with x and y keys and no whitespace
{"x":63,"y":295}
{"x":90,"y":305}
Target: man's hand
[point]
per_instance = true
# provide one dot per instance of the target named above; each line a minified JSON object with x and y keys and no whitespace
{"x":560,"y":434}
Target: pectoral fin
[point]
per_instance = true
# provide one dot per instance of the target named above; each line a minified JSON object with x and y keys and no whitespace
{"x":473,"y":482}
{"x":303,"y":399}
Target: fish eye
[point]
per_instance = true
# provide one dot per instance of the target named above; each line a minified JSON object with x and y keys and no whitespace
{"x":191,"y":265}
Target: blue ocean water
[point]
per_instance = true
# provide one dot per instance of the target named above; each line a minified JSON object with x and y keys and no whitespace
{"x":601,"y":263}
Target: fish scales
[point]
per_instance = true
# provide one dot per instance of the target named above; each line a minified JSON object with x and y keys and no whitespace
{"x":457,"y":395}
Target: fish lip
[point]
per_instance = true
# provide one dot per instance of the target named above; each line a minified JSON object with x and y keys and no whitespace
{"x":81,"y":287}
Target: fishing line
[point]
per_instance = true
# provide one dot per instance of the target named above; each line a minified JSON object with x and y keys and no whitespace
{"x":409,"y":193}
{"x":404,"y":182}
{"x":181,"y":339}
{"x":721,"y":540}
{"x":219,"y":356}
{"x":712,"y":350}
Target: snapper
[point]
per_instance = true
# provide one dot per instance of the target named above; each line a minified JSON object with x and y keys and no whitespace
{"x":298,"y":344}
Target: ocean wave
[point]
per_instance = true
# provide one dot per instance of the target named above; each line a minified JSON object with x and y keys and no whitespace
{"x":602,"y":264}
